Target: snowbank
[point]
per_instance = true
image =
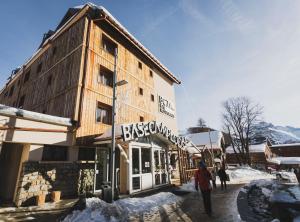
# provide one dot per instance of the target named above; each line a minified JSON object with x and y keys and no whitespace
{"x":120,"y":210}
{"x":245,"y":174}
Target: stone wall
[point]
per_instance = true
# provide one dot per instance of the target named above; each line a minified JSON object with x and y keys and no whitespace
{"x":43,"y":177}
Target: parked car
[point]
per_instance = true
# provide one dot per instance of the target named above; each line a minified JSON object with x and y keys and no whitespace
{"x":286,"y":177}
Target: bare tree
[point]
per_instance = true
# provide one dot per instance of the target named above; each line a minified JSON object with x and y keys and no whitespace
{"x":201,"y":122}
{"x":200,"y":127}
{"x":239,"y":118}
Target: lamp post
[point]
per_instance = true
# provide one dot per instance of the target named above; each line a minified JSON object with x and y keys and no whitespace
{"x":113,"y":133}
{"x":212,"y":151}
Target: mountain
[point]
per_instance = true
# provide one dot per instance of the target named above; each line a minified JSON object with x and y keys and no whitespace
{"x":276,"y":134}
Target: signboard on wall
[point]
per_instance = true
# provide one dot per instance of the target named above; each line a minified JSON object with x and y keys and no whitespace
{"x":165,"y":106}
{"x":136,"y":130}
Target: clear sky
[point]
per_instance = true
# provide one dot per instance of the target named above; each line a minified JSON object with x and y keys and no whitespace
{"x":218,"y":48}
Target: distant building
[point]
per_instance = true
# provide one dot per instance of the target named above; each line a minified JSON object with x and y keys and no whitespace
{"x":283,"y":156}
{"x":257,"y":155}
{"x":211,"y":145}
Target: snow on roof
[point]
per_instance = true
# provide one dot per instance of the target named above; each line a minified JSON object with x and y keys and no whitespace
{"x":204,"y":139}
{"x":120,"y":26}
{"x":285,"y":160}
{"x":257,"y":148}
{"x":286,"y":145}
{"x":25,"y":114}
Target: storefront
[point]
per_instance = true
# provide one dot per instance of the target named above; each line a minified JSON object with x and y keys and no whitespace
{"x":143,"y":155}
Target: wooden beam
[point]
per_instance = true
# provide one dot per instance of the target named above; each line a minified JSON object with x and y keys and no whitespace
{"x":32,"y":129}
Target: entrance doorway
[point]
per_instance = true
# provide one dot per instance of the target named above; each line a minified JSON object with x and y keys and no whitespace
{"x":148,"y":166}
{"x":11,"y":157}
{"x":141,"y":168}
{"x":101,"y":168}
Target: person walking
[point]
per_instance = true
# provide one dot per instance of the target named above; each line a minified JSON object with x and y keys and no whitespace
{"x":213,"y":178}
{"x":223,"y":177}
{"x":202,"y":181}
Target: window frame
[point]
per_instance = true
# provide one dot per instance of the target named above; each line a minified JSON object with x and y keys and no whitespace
{"x":108,"y":109}
{"x":141,"y":91}
{"x":112,"y":46}
{"x":27,"y":76}
{"x":102,"y":73}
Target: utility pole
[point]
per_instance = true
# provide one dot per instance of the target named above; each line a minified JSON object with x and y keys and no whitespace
{"x":113,"y":133}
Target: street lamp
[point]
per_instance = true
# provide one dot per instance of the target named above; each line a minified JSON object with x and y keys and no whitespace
{"x":113,"y":133}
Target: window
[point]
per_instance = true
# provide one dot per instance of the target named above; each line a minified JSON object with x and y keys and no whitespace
{"x":11,"y":91}
{"x":86,"y":153}
{"x":141,"y":119}
{"x":152,"y":97}
{"x":105,"y":76}
{"x":54,"y":50}
{"x":39,"y":68}
{"x":103,"y":113}
{"x":6,"y":94}
{"x":108,"y":45}
{"x":140,"y":65}
{"x":49,"y":81}
{"x":27,"y":76}
{"x":151,"y":73}
{"x":54,"y":153}
{"x":21,"y":102}
{"x":141,"y":91}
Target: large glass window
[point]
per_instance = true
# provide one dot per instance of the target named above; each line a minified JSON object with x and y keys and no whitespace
{"x":135,"y":161}
{"x":86,"y":154}
{"x":54,"y":153}
{"x":146,"y":160}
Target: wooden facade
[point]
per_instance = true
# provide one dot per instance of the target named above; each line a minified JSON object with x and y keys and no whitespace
{"x":61,"y":78}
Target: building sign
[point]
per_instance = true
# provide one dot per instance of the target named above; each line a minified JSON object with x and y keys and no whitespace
{"x":136,"y":130}
{"x":166,"y":107}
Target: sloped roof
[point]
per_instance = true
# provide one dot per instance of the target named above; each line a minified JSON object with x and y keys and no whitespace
{"x":257,"y":148}
{"x":206,"y":138}
{"x":70,"y":15}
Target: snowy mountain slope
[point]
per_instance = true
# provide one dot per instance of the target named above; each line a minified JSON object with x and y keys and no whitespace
{"x":277,"y":134}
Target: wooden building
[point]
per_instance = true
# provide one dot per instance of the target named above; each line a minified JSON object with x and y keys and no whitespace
{"x":70,"y":76}
{"x":284,"y":156}
{"x":257,"y":156}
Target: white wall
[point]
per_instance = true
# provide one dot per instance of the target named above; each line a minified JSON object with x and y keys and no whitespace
{"x":165,"y":88}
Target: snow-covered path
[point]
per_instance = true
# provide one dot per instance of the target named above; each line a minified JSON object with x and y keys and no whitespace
{"x":191,"y":208}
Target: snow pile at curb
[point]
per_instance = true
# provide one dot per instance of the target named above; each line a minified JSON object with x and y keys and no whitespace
{"x":120,"y":210}
{"x":147,"y":204}
{"x":96,"y":210}
{"x":245,"y":174}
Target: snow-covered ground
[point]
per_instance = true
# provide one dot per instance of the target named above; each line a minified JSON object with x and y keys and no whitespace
{"x":121,"y":210}
{"x":264,"y":195}
{"x":245,"y":174}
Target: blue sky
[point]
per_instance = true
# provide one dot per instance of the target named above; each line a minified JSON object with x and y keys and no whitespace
{"x":218,"y":48}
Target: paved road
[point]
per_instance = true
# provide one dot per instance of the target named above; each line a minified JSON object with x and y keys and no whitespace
{"x":191,"y":208}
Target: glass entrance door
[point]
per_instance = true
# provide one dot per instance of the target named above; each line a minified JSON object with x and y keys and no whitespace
{"x":141,"y":169}
{"x":101,"y":167}
{"x":160,"y":167}
{"x":136,"y":169}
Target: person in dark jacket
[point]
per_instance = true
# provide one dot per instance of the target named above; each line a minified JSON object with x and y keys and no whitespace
{"x":223,"y":177}
{"x":202,"y":180}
